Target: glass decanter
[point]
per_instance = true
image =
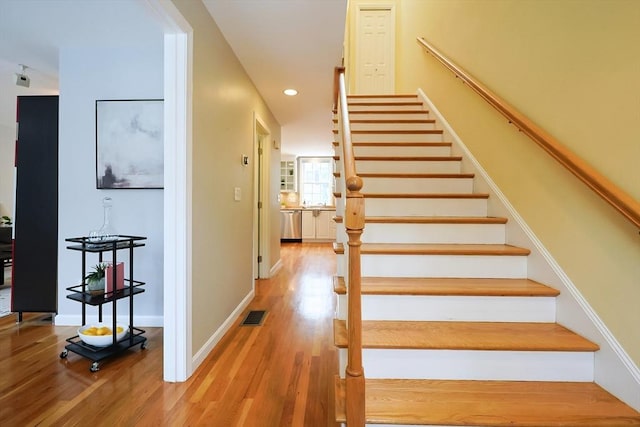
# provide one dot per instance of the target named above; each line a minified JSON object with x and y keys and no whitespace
{"x":107,"y":232}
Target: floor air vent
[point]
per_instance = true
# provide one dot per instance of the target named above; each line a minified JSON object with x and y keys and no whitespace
{"x":253,"y":318}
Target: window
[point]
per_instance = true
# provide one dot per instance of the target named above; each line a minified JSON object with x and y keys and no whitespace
{"x":316,"y":180}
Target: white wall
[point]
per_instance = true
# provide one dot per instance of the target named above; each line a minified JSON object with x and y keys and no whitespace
{"x":87,"y":75}
{"x":7,"y":147}
{"x":225,"y":104}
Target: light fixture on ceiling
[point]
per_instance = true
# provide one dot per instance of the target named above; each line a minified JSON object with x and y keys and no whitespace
{"x":21,"y":78}
{"x":290,"y":92}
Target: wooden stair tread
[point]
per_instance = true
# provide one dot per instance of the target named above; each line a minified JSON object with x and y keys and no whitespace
{"x":488,"y":336}
{"x":401,"y":144}
{"x":393,"y":95}
{"x":417,"y":175}
{"x":446,"y":286}
{"x":399,"y":131}
{"x":441,"y":249}
{"x":389,"y":121}
{"x":489,"y":403}
{"x":338,"y":248}
{"x":426,"y":195}
{"x":383,"y":103}
{"x":409,"y":158}
{"x":430,"y":220}
{"x":434,"y":220}
{"x":396,"y":111}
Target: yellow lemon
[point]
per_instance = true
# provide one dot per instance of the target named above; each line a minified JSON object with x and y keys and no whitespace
{"x":103,"y":331}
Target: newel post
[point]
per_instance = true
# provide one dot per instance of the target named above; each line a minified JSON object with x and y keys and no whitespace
{"x":355,"y":382}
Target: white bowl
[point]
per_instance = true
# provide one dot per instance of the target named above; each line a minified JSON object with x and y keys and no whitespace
{"x":101,"y":340}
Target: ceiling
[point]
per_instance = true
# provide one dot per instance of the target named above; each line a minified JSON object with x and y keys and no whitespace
{"x":289,"y":43}
{"x":280,"y":43}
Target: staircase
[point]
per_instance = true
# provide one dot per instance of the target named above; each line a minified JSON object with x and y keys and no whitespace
{"x":454,"y":333}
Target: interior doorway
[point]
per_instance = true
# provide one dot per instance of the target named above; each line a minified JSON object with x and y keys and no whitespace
{"x":375,"y":49}
{"x":260,"y":182}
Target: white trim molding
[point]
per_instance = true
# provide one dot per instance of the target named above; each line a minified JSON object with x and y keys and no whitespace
{"x":178,"y":71}
{"x":203,"y":352}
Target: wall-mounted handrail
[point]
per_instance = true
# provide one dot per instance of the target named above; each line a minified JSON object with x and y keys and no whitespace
{"x":616,"y":197}
{"x":354,"y":225}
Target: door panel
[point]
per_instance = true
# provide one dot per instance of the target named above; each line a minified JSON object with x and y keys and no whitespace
{"x":375,"y":51}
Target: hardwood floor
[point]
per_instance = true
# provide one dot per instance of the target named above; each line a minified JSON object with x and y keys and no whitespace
{"x":276,"y":374}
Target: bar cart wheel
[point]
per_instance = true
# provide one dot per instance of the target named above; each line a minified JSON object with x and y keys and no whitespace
{"x":64,"y":354}
{"x":95,"y":367}
{"x":143,"y":346}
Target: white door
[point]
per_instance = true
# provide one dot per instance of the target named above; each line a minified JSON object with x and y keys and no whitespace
{"x":375,"y":50}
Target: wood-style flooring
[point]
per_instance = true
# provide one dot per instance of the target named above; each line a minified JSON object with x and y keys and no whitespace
{"x":276,"y":374}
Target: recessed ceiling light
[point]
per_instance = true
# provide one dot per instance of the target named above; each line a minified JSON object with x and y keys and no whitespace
{"x":290,"y":92}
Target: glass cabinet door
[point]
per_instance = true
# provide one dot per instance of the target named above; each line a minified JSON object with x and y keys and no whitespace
{"x":287,"y":175}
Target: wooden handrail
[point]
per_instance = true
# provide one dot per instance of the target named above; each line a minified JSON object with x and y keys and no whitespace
{"x":354,"y":226}
{"x":336,"y":87}
{"x":616,"y":197}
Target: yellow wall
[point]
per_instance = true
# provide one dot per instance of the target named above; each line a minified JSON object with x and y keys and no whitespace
{"x":224,"y":102}
{"x":572,"y":67}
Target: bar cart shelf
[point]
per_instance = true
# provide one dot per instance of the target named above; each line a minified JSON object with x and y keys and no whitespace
{"x":81,"y":294}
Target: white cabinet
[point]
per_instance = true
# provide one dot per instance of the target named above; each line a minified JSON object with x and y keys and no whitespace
{"x":308,"y":225}
{"x":318,"y":224}
{"x":288,"y":175}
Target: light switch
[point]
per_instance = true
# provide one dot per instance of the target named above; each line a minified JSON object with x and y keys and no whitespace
{"x":237,"y":194}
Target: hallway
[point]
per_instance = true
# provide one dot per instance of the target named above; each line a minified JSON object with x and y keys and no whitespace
{"x":276,"y":374}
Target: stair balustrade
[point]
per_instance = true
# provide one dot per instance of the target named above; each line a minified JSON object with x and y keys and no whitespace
{"x":612,"y":194}
{"x":354,"y":226}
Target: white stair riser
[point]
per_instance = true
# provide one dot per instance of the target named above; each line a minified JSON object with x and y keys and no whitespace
{"x":372,"y":97}
{"x":406,"y":166}
{"x":381,"y":107}
{"x":481,"y":266}
{"x":341,"y":265}
{"x":355,"y":125}
{"x":454,"y":308}
{"x":425,"y":207}
{"x":367,"y":115}
{"x":391,"y":137}
{"x":418,"y":185}
{"x":400,"y":150}
{"x":476,"y":365}
{"x":433,"y":233}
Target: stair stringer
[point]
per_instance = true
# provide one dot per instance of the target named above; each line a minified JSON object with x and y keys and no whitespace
{"x":614,"y":370}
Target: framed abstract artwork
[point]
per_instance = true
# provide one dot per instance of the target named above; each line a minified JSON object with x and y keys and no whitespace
{"x":129,"y":144}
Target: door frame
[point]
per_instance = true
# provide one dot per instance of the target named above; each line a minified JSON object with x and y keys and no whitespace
{"x":178,"y":94}
{"x":261,"y":137}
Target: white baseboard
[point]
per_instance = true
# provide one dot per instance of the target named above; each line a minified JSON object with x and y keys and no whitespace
{"x":140,"y":321}
{"x":614,"y":370}
{"x":275,"y":268}
{"x":204,"y":351}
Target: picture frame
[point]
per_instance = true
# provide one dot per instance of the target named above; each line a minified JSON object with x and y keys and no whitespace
{"x":130,"y":144}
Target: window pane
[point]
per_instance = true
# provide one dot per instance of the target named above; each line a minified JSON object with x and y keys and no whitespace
{"x":316,"y":180}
